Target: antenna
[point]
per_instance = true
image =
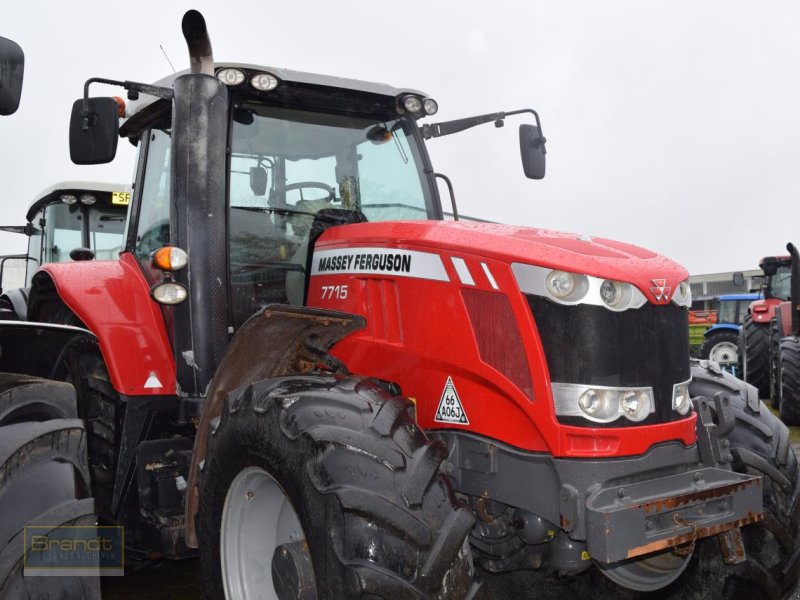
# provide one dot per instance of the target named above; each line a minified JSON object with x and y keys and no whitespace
{"x":167,"y":57}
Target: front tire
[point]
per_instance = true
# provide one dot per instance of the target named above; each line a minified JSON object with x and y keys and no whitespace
{"x":759,"y":444}
{"x":721,"y":347}
{"x":366,"y":511}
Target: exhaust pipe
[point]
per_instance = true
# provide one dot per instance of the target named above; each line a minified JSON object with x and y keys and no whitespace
{"x":201,"y":58}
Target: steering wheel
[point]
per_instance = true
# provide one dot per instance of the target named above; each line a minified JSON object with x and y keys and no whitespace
{"x":315,"y":185}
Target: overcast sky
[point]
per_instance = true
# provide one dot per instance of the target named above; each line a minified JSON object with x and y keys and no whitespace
{"x":673,"y":125}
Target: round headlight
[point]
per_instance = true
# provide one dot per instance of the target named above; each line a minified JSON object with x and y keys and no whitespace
{"x":430,"y":106}
{"x":264,"y":82}
{"x":169,"y":292}
{"x":69,"y":198}
{"x":590,"y":402}
{"x":615,"y":294}
{"x":230,"y":76}
{"x":560,"y":283}
{"x":635,"y":405}
{"x":611,"y":292}
{"x":412,"y":104}
{"x":598,"y":405}
{"x":88,"y":199}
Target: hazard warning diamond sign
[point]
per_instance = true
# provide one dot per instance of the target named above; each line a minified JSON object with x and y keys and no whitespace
{"x":450,"y":408}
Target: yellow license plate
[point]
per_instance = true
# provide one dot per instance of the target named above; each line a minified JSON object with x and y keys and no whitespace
{"x":121,"y":198}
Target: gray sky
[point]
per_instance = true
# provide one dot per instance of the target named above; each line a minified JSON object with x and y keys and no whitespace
{"x":673,"y":125}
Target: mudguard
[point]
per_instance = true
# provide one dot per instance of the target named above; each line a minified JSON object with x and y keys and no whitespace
{"x":36,"y":348}
{"x":278,"y":340}
{"x":112,"y":298}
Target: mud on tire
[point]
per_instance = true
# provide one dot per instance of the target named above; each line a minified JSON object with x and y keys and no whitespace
{"x":378,"y":517}
{"x":759,"y":445}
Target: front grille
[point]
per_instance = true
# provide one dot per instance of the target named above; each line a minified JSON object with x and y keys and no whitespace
{"x":592,"y":345}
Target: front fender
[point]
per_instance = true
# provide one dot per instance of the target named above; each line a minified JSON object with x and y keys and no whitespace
{"x":714,"y":329}
{"x":112,"y":298}
{"x":763,"y":311}
{"x":37,"y":348}
{"x":276,"y":341}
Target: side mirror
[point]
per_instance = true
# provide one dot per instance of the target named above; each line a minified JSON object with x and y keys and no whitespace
{"x":79,"y":254}
{"x":258,"y":180}
{"x":12,"y":65}
{"x":532,"y":149}
{"x":769,"y":265}
{"x":738,"y":279}
{"x":94,"y":131}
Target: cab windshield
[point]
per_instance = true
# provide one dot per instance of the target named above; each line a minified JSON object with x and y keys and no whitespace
{"x":287,"y":166}
{"x":779,"y":284}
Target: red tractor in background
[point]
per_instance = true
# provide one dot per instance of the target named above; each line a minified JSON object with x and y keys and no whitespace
{"x":299,"y":368}
{"x":759,"y":337}
{"x":786,"y":326}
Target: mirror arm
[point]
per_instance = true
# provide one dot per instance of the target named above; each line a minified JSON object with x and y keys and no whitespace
{"x":134,"y":89}
{"x":448,"y":127}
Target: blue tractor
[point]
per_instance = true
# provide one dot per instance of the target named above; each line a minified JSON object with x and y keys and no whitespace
{"x":720,"y":341}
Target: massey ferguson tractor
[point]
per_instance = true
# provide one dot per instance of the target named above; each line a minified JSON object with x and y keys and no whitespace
{"x":70,"y":220}
{"x":759,"y":337}
{"x":298,"y":368}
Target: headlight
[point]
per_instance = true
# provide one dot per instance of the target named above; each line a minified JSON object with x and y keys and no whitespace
{"x":681,"y":401}
{"x":230,"y":76}
{"x":603,"y":404}
{"x":683,"y":294}
{"x":169,"y":292}
{"x":615,"y":294}
{"x":430,"y":106}
{"x":264,"y":82}
{"x":412,"y":104}
{"x":575,"y":288}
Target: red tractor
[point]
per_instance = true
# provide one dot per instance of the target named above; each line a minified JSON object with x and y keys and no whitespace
{"x":300,"y":368}
{"x":759,"y":337}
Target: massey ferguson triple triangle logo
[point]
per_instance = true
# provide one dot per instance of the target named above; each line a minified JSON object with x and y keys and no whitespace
{"x":661,"y":290}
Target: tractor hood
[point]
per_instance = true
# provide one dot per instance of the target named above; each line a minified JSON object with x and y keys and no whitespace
{"x":510,"y":244}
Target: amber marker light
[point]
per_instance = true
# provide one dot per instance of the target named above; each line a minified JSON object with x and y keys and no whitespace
{"x":170,"y":258}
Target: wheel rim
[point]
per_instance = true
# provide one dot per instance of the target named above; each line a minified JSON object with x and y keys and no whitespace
{"x":647,"y":574}
{"x":257,"y":517}
{"x":724,"y":353}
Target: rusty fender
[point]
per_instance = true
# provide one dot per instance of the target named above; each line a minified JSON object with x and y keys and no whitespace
{"x":278,"y":340}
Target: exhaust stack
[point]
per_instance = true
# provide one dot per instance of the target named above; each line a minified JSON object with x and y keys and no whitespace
{"x":201,"y":58}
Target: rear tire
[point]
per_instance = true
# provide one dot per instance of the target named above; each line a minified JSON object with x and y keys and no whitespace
{"x":759,"y":444}
{"x":378,"y":517}
{"x":755,"y":362}
{"x":790,"y":380}
{"x":45,"y":482}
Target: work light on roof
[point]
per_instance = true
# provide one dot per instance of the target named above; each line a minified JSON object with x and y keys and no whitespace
{"x":231,"y":76}
{"x":264,"y":82}
{"x":69,"y":198}
{"x":430,"y":106}
{"x":412,"y":104}
{"x":88,"y":199}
